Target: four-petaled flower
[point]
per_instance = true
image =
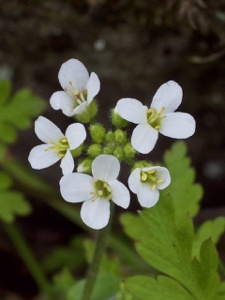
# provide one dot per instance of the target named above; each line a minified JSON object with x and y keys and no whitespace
{"x":56,"y":145}
{"x":79,"y":88}
{"x":160,"y":117}
{"x":96,"y":192}
{"x":146,"y":183}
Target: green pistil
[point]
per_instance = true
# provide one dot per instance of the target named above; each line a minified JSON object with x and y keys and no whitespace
{"x":154,"y":117}
{"x":151,"y":178}
{"x":103,"y":190}
{"x":59,"y":147}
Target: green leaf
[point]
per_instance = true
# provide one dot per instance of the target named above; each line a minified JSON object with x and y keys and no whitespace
{"x":205,"y":270}
{"x":221,"y":293}
{"x":164,"y":288}
{"x":210,"y":229}
{"x":5,"y":181}
{"x":12,"y":203}
{"x":2,"y":151}
{"x":17,"y":112}
{"x":165,"y":243}
{"x":5,"y":89}
{"x":184,"y":192}
{"x":63,"y":281}
{"x":106,"y":286}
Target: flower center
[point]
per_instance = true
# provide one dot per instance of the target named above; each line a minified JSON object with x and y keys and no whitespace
{"x":151,"y":178}
{"x":103,"y":190}
{"x":154,"y":117}
{"x":59,"y":147}
{"x":79,"y":97}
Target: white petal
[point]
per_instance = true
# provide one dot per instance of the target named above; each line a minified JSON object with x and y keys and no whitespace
{"x":76,"y":187}
{"x":93,"y":87}
{"x":105,"y":167}
{"x":47,"y":131}
{"x":120,"y":193}
{"x":67,"y":163}
{"x":144,"y":138}
{"x":146,"y":196}
{"x":96,"y":214}
{"x":169,"y":95}
{"x":134,"y":180}
{"x":62,"y":100}
{"x":75,"y":72}
{"x":39,"y":158}
{"x":80,"y":109}
{"x":178,"y":125}
{"x":161,"y":173}
{"x":75,"y":134}
{"x":132,"y":110}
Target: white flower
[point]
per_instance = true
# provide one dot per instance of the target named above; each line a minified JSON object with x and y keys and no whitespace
{"x":79,"y":88}
{"x":146,"y":183}
{"x":56,"y":145}
{"x":160,"y":117}
{"x":96,"y":192}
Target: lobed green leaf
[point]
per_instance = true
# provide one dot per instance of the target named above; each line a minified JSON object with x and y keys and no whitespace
{"x":12,"y":203}
{"x":184,"y":192}
{"x":162,"y":288}
{"x":17,"y":112}
{"x":210,"y":229}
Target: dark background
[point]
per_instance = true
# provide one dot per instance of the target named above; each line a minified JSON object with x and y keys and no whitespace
{"x":134,"y":47}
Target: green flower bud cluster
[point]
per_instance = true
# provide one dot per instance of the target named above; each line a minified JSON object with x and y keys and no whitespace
{"x":111,"y":142}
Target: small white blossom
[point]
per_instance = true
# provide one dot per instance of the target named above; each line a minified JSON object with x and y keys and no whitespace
{"x":146,"y":183}
{"x":56,"y":145}
{"x":79,"y":88}
{"x":96,"y":191}
{"x":160,"y":117}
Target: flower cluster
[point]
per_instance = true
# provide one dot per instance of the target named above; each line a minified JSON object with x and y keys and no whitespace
{"x":95,"y":180}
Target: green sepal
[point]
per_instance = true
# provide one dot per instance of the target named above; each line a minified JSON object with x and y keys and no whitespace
{"x":88,"y":113}
{"x":117,"y":120}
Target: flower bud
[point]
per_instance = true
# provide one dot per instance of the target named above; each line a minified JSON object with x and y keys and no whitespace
{"x":107,"y":150}
{"x":110,"y":136}
{"x":120,"y":136}
{"x":94,"y":150}
{"x":118,"y":152}
{"x":97,"y":132}
{"x":129,"y":151}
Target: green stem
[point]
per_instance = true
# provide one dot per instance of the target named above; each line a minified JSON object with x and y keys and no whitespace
{"x":27,"y":256}
{"x":96,"y":261}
